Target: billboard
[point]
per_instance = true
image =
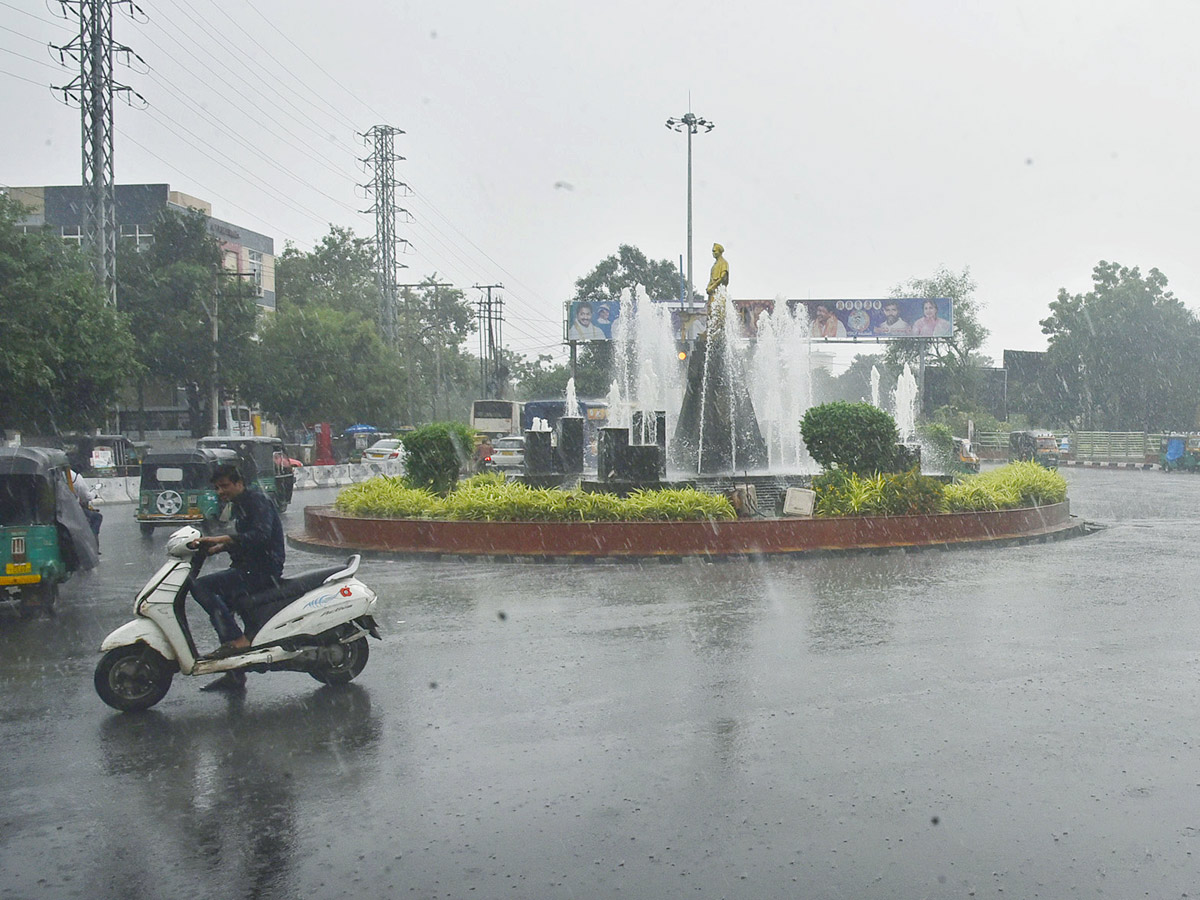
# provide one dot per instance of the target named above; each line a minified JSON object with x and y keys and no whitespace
{"x":893,"y":317}
{"x":688,"y":323}
{"x":590,"y":320}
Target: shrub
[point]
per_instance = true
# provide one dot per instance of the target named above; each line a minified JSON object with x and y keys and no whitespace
{"x":387,"y":497}
{"x":842,"y":493}
{"x":493,"y":499}
{"x":857,"y":437}
{"x":435,"y":454}
{"x":1008,"y":487}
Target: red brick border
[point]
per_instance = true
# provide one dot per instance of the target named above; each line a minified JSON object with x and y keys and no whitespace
{"x":326,"y":528}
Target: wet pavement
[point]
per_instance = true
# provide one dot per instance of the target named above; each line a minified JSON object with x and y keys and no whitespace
{"x":1011,"y":722}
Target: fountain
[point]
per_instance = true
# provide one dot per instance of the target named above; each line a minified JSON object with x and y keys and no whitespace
{"x":875,"y":387}
{"x":906,"y":405}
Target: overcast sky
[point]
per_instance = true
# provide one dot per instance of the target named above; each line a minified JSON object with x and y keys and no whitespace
{"x":857,"y":144}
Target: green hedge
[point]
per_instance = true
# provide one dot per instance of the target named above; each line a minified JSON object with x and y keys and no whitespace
{"x":491,"y":498}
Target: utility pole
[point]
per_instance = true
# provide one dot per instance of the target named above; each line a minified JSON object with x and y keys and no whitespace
{"x":93,"y":89}
{"x":383,"y":187}
{"x":690,"y":123}
{"x":491,"y":319}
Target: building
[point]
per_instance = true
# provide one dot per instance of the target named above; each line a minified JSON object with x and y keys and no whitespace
{"x":137,"y":208}
{"x":161,"y":411}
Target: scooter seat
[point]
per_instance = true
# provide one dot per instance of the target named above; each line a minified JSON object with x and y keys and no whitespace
{"x":289,"y":589}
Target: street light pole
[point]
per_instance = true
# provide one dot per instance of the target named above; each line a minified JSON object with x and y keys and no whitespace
{"x":691,"y":123}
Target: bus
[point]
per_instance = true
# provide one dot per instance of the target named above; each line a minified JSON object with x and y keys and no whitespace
{"x":496,"y":418}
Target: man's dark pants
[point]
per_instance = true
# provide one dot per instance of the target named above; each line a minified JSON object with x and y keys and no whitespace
{"x":224,"y":593}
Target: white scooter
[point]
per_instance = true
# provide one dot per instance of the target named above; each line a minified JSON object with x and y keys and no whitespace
{"x":316,"y":622}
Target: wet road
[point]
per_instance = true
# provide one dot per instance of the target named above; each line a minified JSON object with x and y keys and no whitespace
{"x":1016,"y":722}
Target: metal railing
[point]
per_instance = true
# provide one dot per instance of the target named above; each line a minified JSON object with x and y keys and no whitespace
{"x":1085,"y":446}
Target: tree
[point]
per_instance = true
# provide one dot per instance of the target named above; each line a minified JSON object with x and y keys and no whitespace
{"x":625,"y":269}
{"x":540,"y":379}
{"x":339,"y":273}
{"x":171,"y":290}
{"x":315,"y":364}
{"x":1126,"y":355}
{"x":434,"y":322}
{"x":67,"y":353}
{"x":958,"y":354}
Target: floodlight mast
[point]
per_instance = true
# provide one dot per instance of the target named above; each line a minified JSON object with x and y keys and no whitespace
{"x":690,"y":123}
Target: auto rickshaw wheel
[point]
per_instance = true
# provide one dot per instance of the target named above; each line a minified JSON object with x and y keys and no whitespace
{"x":38,"y":598}
{"x":146,"y":528}
{"x":133,"y":678}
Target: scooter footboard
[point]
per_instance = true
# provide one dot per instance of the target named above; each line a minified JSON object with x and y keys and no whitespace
{"x":139,"y":630}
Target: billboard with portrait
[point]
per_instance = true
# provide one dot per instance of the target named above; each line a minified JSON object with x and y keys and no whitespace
{"x":590,"y":320}
{"x":887,"y":319}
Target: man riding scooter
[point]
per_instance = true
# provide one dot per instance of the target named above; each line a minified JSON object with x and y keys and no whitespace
{"x":256,"y":551}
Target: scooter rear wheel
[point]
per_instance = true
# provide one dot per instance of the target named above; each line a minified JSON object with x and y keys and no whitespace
{"x":133,"y":678}
{"x":353,"y":659}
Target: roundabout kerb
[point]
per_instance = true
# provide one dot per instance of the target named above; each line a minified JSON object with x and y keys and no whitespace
{"x":328,"y":529}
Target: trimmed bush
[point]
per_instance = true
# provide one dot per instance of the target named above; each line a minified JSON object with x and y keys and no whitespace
{"x":435,"y":454}
{"x":856,"y":437}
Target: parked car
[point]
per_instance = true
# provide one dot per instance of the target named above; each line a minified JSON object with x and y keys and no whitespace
{"x":508,"y":452}
{"x":388,"y":448}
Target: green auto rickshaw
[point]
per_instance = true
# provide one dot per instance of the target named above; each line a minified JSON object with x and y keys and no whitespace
{"x":177,"y":488}
{"x":44,"y":535}
{"x":264,"y":461}
{"x":1040,"y":447}
{"x":1180,"y":452}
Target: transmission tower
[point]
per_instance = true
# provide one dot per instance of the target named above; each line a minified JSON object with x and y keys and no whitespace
{"x":383,"y":187}
{"x":490,"y":313}
{"x":93,"y":89}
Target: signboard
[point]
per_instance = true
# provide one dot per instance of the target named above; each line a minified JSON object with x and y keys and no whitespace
{"x":894,"y":317}
{"x":591,"y":320}
{"x":689,"y":323}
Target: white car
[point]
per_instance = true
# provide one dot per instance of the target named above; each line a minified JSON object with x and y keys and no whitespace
{"x":385,"y":449}
{"x":508,"y":452}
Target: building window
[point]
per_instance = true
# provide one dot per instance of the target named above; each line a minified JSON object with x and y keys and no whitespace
{"x":72,"y":233}
{"x":139,"y":234}
{"x":254,"y":259}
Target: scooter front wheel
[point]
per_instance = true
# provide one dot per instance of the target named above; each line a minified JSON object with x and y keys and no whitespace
{"x":133,"y":678}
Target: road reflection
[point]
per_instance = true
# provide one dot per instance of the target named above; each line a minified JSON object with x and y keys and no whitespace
{"x":223,"y":790}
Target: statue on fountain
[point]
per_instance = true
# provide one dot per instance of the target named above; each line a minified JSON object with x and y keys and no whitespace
{"x":717,"y":431}
{"x":718,"y":277}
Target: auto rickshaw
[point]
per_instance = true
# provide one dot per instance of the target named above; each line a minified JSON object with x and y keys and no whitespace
{"x":965,"y":456}
{"x":44,"y":535}
{"x":1180,"y":452}
{"x":1033,"y":446}
{"x":177,"y":489}
{"x":264,"y":461}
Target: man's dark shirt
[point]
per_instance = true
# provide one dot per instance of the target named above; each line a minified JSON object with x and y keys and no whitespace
{"x":257,"y":547}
